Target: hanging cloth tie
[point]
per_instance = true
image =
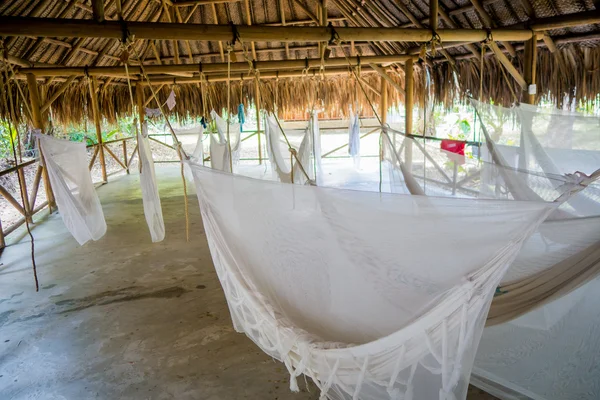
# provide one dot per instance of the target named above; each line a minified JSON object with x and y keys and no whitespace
{"x":241,"y":116}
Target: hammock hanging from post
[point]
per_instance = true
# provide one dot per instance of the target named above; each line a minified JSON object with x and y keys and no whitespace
{"x":77,"y":201}
{"x":150,"y":196}
{"x":219,"y":146}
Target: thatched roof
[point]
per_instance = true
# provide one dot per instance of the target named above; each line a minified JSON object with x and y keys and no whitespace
{"x":571,"y":68}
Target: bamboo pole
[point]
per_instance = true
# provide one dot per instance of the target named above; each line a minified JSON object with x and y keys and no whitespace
{"x":491,"y":24}
{"x":217,"y":67}
{"x":531,"y":69}
{"x":50,"y":27}
{"x":408,"y":107}
{"x":381,"y":71}
{"x":24,"y":195}
{"x":36,"y":185}
{"x":34,"y":99}
{"x":249,"y":22}
{"x":257,"y":104}
{"x":433,"y":14}
{"x":508,"y":65}
{"x":567,"y":21}
{"x":187,"y":3}
{"x":216,"y":17}
{"x":96,"y":111}
{"x":98,"y":10}
{"x":263,"y":75}
{"x":58,"y":92}
{"x":139,"y":94}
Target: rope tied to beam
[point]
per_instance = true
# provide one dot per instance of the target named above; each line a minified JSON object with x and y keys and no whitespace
{"x":235,"y":34}
{"x":11,"y":108}
{"x":179,"y":148}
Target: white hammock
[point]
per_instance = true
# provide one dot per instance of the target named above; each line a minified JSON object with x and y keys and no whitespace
{"x":76,"y":198}
{"x":333,"y":284}
{"x":150,"y":197}
{"x":219,"y":148}
{"x":280,"y":158}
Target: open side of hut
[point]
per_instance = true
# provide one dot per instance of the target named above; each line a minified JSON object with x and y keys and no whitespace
{"x":96,"y":62}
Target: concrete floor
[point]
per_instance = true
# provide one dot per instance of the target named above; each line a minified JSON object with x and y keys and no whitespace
{"x":122,"y":318}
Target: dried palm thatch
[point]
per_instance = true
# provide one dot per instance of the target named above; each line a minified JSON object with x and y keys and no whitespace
{"x":570,"y":74}
{"x":292,"y":97}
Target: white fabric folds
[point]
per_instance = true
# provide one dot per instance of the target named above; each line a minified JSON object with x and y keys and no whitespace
{"x":340,"y":285}
{"x":354,"y":139}
{"x":219,"y":147}
{"x":77,"y":201}
{"x":280,"y":157}
{"x":150,"y":197}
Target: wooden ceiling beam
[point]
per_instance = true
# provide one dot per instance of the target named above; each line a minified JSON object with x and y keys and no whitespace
{"x":264,"y":75}
{"x":310,"y":14}
{"x":489,"y":23}
{"x":303,"y":21}
{"x":188,"y":3}
{"x":237,"y":67}
{"x":98,"y":10}
{"x":50,"y":27}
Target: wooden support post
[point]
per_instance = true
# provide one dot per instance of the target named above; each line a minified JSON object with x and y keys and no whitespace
{"x":98,"y":10}
{"x":257,"y":104}
{"x":38,"y":123}
{"x":433,"y":14}
{"x":384,"y":101}
{"x":139,"y":94}
{"x":34,"y":97}
{"x":125,"y":156}
{"x":2,"y":241}
{"x":531,"y":68}
{"x":93,"y":85}
{"x":23,"y":187}
{"x":383,"y":117}
{"x":216,"y":17}
{"x":282,"y":15}
{"x":36,"y":185}
{"x":409,"y":85}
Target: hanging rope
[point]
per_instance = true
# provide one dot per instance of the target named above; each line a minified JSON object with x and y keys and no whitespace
{"x":13,"y":117}
{"x":180,"y":152}
{"x":291,"y":149}
{"x":339,"y":43}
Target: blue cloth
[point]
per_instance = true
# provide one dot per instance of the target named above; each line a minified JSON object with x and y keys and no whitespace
{"x":203,"y":122}
{"x":241,"y":116}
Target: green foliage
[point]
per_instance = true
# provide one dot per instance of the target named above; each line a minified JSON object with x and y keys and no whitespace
{"x":8,"y":136}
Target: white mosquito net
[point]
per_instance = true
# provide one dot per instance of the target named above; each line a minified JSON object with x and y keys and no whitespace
{"x":552,"y":351}
{"x":287,"y":168}
{"x":76,"y":198}
{"x":219,"y":147}
{"x":340,"y":285}
{"x":150,"y":197}
{"x":354,"y":138}
{"x":530,"y":352}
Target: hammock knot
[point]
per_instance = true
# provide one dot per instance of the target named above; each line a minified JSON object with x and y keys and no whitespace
{"x":335,"y":37}
{"x":489,"y":37}
{"x":235,"y":33}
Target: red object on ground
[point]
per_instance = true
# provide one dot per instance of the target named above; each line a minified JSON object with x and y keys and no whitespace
{"x":453,"y":146}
